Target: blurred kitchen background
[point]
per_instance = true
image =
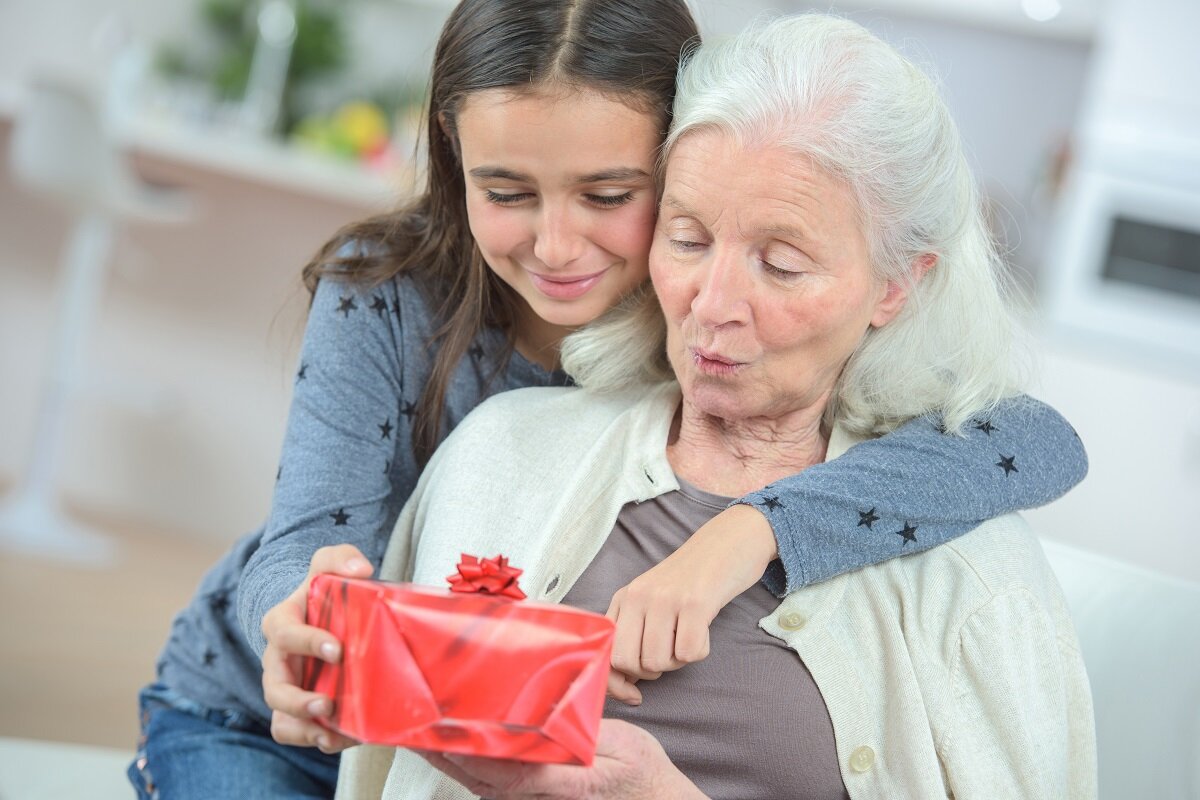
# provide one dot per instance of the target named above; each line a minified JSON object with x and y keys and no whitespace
{"x":152,"y":360}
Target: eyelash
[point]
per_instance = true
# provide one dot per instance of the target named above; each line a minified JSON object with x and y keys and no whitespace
{"x":601,"y":200}
{"x":505,"y":199}
{"x":610,"y":200}
{"x":786,"y":274}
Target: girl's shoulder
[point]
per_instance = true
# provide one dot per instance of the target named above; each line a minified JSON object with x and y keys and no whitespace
{"x":402,"y":298}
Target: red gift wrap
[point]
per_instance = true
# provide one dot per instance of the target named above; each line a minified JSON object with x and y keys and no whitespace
{"x":465,"y":671}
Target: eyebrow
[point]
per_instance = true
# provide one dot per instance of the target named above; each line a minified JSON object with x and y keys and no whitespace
{"x":614,"y":174}
{"x":680,"y":206}
{"x":785,"y":231}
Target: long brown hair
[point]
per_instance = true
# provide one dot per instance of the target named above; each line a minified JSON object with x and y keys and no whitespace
{"x":629,"y":49}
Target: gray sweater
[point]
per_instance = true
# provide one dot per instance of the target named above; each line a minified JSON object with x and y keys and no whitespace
{"x":347,"y":469}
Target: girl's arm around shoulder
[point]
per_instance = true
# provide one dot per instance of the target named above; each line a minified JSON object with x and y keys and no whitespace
{"x":915,"y":488}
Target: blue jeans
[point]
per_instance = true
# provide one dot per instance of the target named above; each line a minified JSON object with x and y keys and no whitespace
{"x":188,"y":751}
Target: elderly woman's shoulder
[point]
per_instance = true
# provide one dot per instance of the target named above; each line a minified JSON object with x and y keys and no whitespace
{"x":1002,"y":557}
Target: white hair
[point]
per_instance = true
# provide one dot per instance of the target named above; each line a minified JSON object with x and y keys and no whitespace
{"x":831,"y":91}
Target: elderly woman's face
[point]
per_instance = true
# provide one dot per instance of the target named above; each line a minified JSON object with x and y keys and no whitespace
{"x":761,"y":265}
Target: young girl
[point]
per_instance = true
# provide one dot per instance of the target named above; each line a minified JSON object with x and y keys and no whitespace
{"x":544,"y":122}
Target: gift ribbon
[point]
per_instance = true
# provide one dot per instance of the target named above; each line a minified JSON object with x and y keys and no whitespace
{"x":486,"y":576}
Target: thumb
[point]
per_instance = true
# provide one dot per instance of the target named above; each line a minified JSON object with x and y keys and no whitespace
{"x":621,"y":687}
{"x":342,"y":559}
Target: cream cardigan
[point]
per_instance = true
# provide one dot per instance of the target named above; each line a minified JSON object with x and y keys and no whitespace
{"x":953,"y":672}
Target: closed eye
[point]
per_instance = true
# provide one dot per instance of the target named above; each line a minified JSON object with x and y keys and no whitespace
{"x":609,"y":200}
{"x":502,"y":199}
{"x":780,"y":272}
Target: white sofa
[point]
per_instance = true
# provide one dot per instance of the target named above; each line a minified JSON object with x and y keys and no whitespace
{"x":1140,"y":634}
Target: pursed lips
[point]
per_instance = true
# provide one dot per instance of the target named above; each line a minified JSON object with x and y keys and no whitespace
{"x":714,"y":363}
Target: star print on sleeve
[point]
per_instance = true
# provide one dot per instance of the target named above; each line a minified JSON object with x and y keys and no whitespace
{"x":770,"y":502}
{"x":345,"y":306}
{"x":379,"y":305}
{"x":909,"y":533}
{"x":867,"y":518}
{"x":986,"y":426}
{"x":385,"y":430}
{"x":302,"y":373}
{"x":476,"y":352}
{"x":218,"y":602}
{"x":341,"y":517}
{"x":396,"y":307}
{"x":210,"y":656}
{"x":408,"y":410}
{"x":1008,"y":464}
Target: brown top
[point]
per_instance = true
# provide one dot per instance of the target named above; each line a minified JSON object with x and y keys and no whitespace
{"x":748,"y":721}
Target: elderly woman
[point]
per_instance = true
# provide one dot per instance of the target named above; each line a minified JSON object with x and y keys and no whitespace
{"x":825,"y":275}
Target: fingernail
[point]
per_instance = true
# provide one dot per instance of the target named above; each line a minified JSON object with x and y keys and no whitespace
{"x":316,"y":708}
{"x":357,"y":565}
{"x":329,"y":651}
{"x":323,"y":742}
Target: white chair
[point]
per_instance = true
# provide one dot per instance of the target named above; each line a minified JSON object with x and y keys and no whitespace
{"x":1140,"y":634}
{"x":61,"y":149}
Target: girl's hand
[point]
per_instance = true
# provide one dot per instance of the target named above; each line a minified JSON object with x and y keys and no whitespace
{"x":663,"y":615}
{"x":289,"y":639}
{"x":630,"y":764}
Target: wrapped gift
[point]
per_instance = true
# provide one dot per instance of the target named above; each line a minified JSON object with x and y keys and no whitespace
{"x":472,"y":670}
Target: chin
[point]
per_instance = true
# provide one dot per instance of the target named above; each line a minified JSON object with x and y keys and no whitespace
{"x":572,"y":316}
{"x":716,"y":401}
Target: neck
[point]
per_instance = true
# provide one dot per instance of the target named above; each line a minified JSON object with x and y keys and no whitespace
{"x":536,"y":339}
{"x":733,"y":457}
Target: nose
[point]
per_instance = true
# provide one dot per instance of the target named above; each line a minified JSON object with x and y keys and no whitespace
{"x":722,"y":292}
{"x":560,"y":239}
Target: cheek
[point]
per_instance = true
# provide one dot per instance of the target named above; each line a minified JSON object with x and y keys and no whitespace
{"x":628,"y":232}
{"x":493,"y":230}
{"x":667,"y":286}
{"x":827,"y":329}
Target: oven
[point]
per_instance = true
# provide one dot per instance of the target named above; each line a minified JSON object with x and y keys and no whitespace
{"x":1124,"y":269}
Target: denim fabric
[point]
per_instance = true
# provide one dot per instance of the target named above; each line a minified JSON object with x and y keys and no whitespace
{"x":188,"y":751}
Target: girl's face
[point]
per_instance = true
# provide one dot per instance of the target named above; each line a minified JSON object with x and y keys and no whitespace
{"x":561,"y":202}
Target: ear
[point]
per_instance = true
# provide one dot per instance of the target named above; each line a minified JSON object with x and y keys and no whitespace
{"x":897,"y":293}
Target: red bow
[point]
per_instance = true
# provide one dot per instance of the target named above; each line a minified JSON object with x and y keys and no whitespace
{"x":486,"y":576}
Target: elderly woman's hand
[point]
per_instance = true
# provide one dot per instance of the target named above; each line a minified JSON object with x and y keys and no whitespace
{"x":630,"y":764}
{"x":289,"y":640}
{"x":663,"y":615}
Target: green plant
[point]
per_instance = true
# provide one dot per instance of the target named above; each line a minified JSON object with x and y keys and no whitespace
{"x":319,"y":50}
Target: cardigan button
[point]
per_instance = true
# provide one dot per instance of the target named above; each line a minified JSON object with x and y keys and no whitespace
{"x":792,"y":621}
{"x":862,"y":759}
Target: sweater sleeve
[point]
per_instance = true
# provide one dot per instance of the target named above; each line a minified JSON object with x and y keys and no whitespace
{"x":915,"y":488}
{"x":346,"y":464}
{"x":1021,"y":719}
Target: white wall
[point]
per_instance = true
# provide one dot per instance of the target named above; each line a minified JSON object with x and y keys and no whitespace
{"x":200,"y":321}
{"x":1140,"y":422}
